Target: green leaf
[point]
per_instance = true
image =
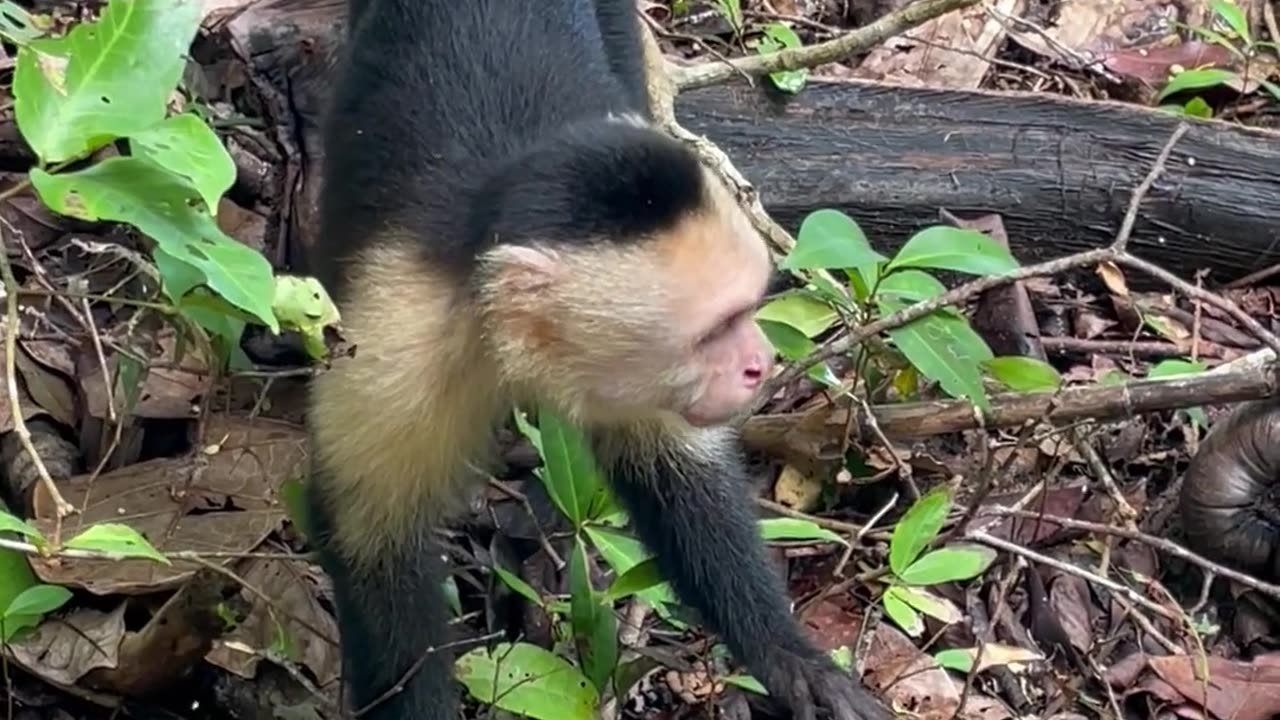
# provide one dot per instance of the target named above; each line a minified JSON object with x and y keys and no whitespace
{"x":910,"y":286}
{"x":960,"y":659}
{"x":17,"y":25}
{"x":595,"y":629}
{"x":830,"y":239}
{"x":642,"y":576}
{"x":842,"y":657}
{"x":932,"y":605}
{"x":746,"y":682}
{"x":38,"y":600}
{"x":801,"y":311}
{"x":103,"y":80}
{"x":168,"y":209}
{"x":527,"y":680}
{"x":12,"y":523}
{"x":15,"y":578}
{"x":785,"y":528}
{"x":1198,"y":108}
{"x":917,"y":528}
{"x":954,"y":562}
{"x":302,"y":304}
{"x":293,"y":492}
{"x":1194,"y":79}
{"x":786,"y":339}
{"x":116,"y":541}
{"x":958,"y":249}
{"x":1023,"y":374}
{"x":516,"y":583}
{"x":572,"y":476}
{"x":1173,"y":368}
{"x":945,"y":349}
{"x":623,"y":554}
{"x":901,"y":613}
{"x":777,"y":37}
{"x":1234,"y":17}
{"x":186,"y":145}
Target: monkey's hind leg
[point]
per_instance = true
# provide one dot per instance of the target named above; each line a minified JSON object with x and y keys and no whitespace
{"x":395,"y":431}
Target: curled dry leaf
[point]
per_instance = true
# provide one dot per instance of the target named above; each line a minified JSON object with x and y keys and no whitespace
{"x":235,"y":490}
{"x":1239,"y":690}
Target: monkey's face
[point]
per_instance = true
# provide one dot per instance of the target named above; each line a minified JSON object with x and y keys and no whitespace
{"x":618,"y":331}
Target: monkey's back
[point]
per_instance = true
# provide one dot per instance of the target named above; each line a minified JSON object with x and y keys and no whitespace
{"x":419,"y":172}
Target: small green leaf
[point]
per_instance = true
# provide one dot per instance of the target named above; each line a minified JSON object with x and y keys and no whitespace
{"x":1198,"y":108}
{"x":917,"y":528}
{"x":830,"y":239}
{"x":785,"y":528}
{"x":186,"y":145}
{"x":777,"y":37}
{"x":103,"y":80}
{"x":926,"y":602}
{"x":623,"y":554}
{"x":1234,"y":17}
{"x":960,"y":659}
{"x":595,"y":630}
{"x":515,"y":582}
{"x":1195,"y":79}
{"x":640,"y":577}
{"x":958,"y":249}
{"x":910,"y":286}
{"x":116,"y":541}
{"x":954,"y":562}
{"x":786,"y":339}
{"x":801,"y":311}
{"x":901,"y":613}
{"x":842,"y":657}
{"x":38,"y":600}
{"x":294,"y":495}
{"x":12,"y":523}
{"x":1173,"y":368}
{"x":527,"y":680}
{"x":1023,"y":374}
{"x":572,"y":476}
{"x":945,"y":349}
{"x":169,"y":210}
{"x":18,"y":26}
{"x":746,"y":682}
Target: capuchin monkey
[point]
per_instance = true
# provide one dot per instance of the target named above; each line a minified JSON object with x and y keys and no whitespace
{"x":502,"y":225}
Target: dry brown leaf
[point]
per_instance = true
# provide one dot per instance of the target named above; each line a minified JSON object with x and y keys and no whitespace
{"x":49,"y":390}
{"x":912,"y":680}
{"x":797,"y":490}
{"x":62,"y":652}
{"x":1239,"y":690}
{"x":292,"y":587}
{"x":950,"y":52}
{"x":29,"y":408}
{"x":168,"y":392}
{"x":1093,"y":28}
{"x":1152,"y":64}
{"x":236,"y":495}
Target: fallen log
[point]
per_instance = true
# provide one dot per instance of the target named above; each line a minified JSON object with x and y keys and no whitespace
{"x":1058,"y":170}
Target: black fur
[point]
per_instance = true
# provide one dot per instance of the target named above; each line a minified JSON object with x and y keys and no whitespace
{"x":437,"y":101}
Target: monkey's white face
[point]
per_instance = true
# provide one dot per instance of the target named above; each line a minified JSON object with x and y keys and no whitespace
{"x":733,"y":360}
{"x":614,"y":333}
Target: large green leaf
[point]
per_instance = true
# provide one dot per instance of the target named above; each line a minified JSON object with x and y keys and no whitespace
{"x":103,"y":80}
{"x":186,"y":145}
{"x":830,"y":239}
{"x":595,"y":629}
{"x":528,"y":680}
{"x":167,"y":208}
{"x":945,"y":349}
{"x":954,"y":562}
{"x":1023,"y":374}
{"x":943,"y":247}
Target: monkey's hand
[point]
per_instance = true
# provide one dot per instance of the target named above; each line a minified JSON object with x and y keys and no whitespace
{"x":810,"y":682}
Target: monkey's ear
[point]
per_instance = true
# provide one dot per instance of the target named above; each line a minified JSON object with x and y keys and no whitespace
{"x":524,"y":268}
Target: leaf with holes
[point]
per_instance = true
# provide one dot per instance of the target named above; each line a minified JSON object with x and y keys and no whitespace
{"x":186,"y":145}
{"x":103,"y":80}
{"x":170,"y":210}
{"x":527,"y":680}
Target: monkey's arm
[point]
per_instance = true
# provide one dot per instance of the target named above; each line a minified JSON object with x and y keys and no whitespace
{"x":689,"y":498}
